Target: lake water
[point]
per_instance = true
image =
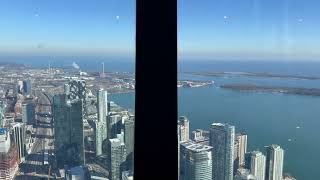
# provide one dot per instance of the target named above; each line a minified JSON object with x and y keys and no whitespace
{"x":267,"y":118}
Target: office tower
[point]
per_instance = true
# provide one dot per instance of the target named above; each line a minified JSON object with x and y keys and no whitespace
{"x":77,"y":89}
{"x":274,"y":162}
{"x":19,"y":87}
{"x":127,"y":175}
{"x":183,"y":125}
{"x":117,"y":158}
{"x":2,"y":111}
{"x":196,"y":161}
{"x":28,"y":113}
{"x":129,"y":141}
{"x":240,"y":150}
{"x":19,"y":137}
{"x":101,"y":124}
{"x":8,"y":156}
{"x":113,"y":125}
{"x":258,"y":165}
{"x":68,"y":128}
{"x":244,"y":174}
{"x":27,"y":87}
{"x":222,"y":141}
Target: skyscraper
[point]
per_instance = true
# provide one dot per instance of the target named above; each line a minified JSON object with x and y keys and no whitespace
{"x":19,"y":87}
{"x":222,"y":141}
{"x":28,"y":112}
{"x":274,"y":164}
{"x":19,"y":138}
{"x":68,"y":128}
{"x":2,"y":111}
{"x":117,"y":158}
{"x":113,"y":125}
{"x":27,"y":86}
{"x":76,"y":89}
{"x":240,"y":149}
{"x":258,"y":165}
{"x":129,"y":141}
{"x":101,"y":124}
{"x":183,"y":127}
{"x":8,"y":156}
{"x":196,"y":161}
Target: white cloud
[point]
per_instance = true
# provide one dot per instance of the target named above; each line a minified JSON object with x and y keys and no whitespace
{"x":75,"y":65}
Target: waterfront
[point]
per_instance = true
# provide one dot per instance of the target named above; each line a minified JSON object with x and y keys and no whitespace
{"x":266,"y":117}
{"x":291,"y":121}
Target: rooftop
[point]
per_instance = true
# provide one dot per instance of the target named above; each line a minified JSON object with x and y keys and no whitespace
{"x":195,"y":147}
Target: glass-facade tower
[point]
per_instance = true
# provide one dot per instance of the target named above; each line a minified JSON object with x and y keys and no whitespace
{"x":222,"y":138}
{"x":196,"y":161}
{"x":68,"y":130}
{"x":274,"y":166}
{"x":101,"y":124}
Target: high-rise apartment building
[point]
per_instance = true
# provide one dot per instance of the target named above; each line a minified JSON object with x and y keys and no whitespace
{"x":2,"y":111}
{"x":258,"y":165}
{"x":183,"y":127}
{"x":274,"y":164}
{"x":8,"y":156}
{"x":195,"y":161}
{"x":68,"y":128}
{"x":19,"y":137}
{"x":129,"y":141}
{"x":101,"y":124}
{"x":240,"y":149}
{"x":222,"y":140}
{"x":117,"y":158}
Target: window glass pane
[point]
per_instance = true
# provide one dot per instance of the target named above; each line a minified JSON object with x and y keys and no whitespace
{"x":248,"y":89}
{"x":67,"y":89}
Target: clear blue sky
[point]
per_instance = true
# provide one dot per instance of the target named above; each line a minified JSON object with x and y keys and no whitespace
{"x":249,"y":29}
{"x":67,"y":27}
{"x":209,"y":29}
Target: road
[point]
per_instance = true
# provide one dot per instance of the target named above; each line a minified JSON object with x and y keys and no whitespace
{"x":33,"y":167}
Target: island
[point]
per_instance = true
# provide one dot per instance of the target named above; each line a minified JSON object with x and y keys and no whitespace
{"x":273,"y":89}
{"x":254,"y":74}
{"x":193,"y":83}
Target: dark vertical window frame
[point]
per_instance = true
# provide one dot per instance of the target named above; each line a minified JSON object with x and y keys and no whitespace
{"x":155,"y":154}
